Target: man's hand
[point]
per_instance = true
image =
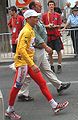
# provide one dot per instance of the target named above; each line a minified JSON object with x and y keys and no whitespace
{"x":48,"y":50}
{"x":49,"y":25}
{"x":35,"y":68}
{"x":16,"y":41}
{"x":63,"y":30}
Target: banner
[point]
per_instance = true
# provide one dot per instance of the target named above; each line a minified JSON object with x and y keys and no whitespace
{"x":22,"y":3}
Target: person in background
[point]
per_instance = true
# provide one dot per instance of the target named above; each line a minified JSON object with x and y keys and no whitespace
{"x":53,"y":21}
{"x":20,"y":12}
{"x":40,"y":58}
{"x":57,"y":9}
{"x":25,"y":65}
{"x":66,"y":11}
{"x":73,"y":21}
{"x":15,"y":24}
{"x":76,"y":3}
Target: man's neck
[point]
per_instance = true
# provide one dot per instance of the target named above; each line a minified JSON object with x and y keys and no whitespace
{"x":15,"y":15}
{"x":29,"y":22}
{"x":51,"y":11}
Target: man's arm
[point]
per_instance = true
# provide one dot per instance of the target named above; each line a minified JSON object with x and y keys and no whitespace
{"x":47,"y":48}
{"x":10,"y":24}
{"x":41,"y":43}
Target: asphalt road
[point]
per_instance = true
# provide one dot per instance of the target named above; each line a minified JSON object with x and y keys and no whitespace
{"x":39,"y":109}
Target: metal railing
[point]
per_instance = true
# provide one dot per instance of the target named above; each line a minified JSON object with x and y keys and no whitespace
{"x":67,"y":41}
{"x":1,"y":106}
{"x":6,"y":46}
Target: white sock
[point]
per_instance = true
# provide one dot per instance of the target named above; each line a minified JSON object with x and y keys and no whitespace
{"x":60,"y":85}
{"x":53,"y":103}
{"x":10,"y":109}
{"x":51,"y":64}
{"x":59,"y":64}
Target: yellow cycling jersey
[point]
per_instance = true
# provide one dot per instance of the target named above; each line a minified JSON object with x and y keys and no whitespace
{"x":25,"y":47}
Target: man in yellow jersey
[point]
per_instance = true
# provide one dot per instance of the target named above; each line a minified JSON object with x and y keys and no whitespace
{"x":25,"y":65}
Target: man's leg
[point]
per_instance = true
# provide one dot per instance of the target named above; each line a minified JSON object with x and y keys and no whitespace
{"x":73,"y":36}
{"x":25,"y":88}
{"x":41,"y":61}
{"x":51,"y":62}
{"x":38,"y":78}
{"x":18,"y":81}
{"x":46,"y":70}
{"x":23,"y":94}
{"x":51,"y":44}
{"x":59,"y":68}
{"x":58,"y":47}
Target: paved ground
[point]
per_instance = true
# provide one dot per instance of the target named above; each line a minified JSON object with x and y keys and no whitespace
{"x":39,"y":109}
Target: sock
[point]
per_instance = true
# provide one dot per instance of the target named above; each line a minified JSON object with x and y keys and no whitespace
{"x":59,"y":64}
{"x":59,"y":86}
{"x":53,"y":103}
{"x":51,"y":64}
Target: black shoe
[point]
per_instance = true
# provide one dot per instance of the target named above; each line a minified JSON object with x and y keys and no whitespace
{"x":59,"y":69}
{"x":76,"y":56}
{"x":52,"y":68}
{"x":63,"y":86}
{"x":25,"y":98}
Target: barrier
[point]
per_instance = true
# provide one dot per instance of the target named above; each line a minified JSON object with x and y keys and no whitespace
{"x":67,"y":42}
{"x":69,"y":38}
{"x":6,"y":46}
{"x":1,"y":107}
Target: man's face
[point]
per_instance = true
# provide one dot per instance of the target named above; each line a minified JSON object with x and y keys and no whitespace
{"x":11,"y":12}
{"x":38,"y":7}
{"x":75,"y":12}
{"x":68,"y":4}
{"x":76,"y":2}
{"x":51,"y":6}
{"x":33,"y":20}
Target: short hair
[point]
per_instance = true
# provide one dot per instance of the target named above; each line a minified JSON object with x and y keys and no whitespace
{"x":51,"y":1}
{"x":31,"y":4}
{"x":13,"y":8}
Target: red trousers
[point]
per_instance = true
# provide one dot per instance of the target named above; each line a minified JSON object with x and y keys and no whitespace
{"x":18,"y":81}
